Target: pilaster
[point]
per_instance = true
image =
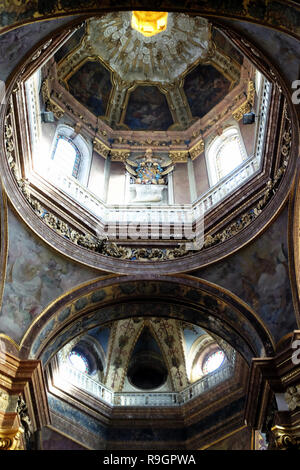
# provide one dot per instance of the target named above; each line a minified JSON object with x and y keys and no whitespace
{"x":273,"y":397}
{"x":23,"y":401}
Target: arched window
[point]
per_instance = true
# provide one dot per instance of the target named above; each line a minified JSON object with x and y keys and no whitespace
{"x":213,"y":361}
{"x":70,"y":155}
{"x":79,"y":361}
{"x":66,"y":155}
{"x":225,"y":154}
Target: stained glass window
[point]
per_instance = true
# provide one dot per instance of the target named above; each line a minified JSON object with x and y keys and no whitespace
{"x":79,"y":361}
{"x":66,"y":155}
{"x":213,"y":361}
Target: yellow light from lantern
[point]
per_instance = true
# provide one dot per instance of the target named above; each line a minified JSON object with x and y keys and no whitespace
{"x":149,"y":23}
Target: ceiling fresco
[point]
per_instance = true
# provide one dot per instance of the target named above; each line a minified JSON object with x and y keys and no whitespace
{"x":91,"y":86}
{"x":148,"y":109}
{"x":139,"y":343}
{"x":161,"y":82}
{"x":204,"y":88}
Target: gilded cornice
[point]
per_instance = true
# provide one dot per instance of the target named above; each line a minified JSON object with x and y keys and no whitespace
{"x":277,"y":196}
{"x":101,"y":148}
{"x":49,"y":103}
{"x":247,"y":105}
{"x":197,"y":149}
{"x":112,"y":249}
{"x":179,"y":156}
{"x":119,"y":155}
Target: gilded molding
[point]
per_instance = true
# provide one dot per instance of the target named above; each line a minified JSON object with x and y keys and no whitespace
{"x":3,"y":240}
{"x":179,"y":156}
{"x":120,"y":155}
{"x":197,"y":149}
{"x":292,"y":397}
{"x":287,"y":437}
{"x":49,"y":103}
{"x":101,"y":148}
{"x":247,"y":105}
{"x":10,"y":439}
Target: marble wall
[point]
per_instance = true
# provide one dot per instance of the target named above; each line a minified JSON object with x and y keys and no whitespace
{"x":53,"y":440}
{"x":240,"y":440}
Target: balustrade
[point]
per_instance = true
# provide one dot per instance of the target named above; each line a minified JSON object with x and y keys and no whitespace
{"x":98,"y":390}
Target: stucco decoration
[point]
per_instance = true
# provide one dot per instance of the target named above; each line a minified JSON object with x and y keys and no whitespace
{"x":35,"y":276}
{"x":292,"y":397}
{"x":266,"y":288}
{"x":126,"y":334}
{"x":138,"y":58}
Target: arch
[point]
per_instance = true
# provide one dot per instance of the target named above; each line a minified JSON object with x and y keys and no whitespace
{"x":3,"y":240}
{"x":115,"y":297}
{"x":199,"y":350}
{"x":294,"y":244}
{"x":224,"y":154}
{"x":244,"y":229}
{"x":82,"y":152}
{"x":282,"y":16}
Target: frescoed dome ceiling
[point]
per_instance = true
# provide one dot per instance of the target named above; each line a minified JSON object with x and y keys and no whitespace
{"x":159,"y":83}
{"x":144,"y":354}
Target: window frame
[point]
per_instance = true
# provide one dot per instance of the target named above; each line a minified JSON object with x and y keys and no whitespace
{"x":77,"y":161}
{"x":82,"y":146}
{"x":214,"y":149}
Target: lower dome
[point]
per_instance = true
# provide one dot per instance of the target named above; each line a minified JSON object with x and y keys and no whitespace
{"x":147,"y":371}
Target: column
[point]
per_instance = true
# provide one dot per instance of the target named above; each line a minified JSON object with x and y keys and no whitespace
{"x":170,"y":189}
{"x":192,"y":181}
{"x":106,"y":177}
{"x":273,"y":397}
{"x":23,"y":401}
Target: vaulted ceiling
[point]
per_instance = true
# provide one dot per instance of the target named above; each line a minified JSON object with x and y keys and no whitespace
{"x":257,"y":281}
{"x":163,"y":82}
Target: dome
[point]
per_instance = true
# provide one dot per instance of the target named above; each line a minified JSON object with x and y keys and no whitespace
{"x":131,"y":159}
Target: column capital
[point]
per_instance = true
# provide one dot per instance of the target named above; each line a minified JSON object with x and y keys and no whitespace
{"x":25,"y":378}
{"x":272,"y":396}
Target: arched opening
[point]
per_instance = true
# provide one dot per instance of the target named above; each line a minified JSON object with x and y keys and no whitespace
{"x":66,"y":156}
{"x":225,"y":154}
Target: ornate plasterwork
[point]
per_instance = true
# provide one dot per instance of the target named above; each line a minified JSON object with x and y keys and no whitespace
{"x":108,"y":248}
{"x":138,"y":58}
{"x":179,"y":156}
{"x":247,"y":105}
{"x":50,"y":105}
{"x":292,"y":397}
{"x":197,"y":149}
{"x":163,"y":60}
{"x":10,"y":439}
{"x":101,"y":148}
{"x":8,"y":403}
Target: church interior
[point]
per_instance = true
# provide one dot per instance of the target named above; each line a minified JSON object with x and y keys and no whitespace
{"x":149,"y":225}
